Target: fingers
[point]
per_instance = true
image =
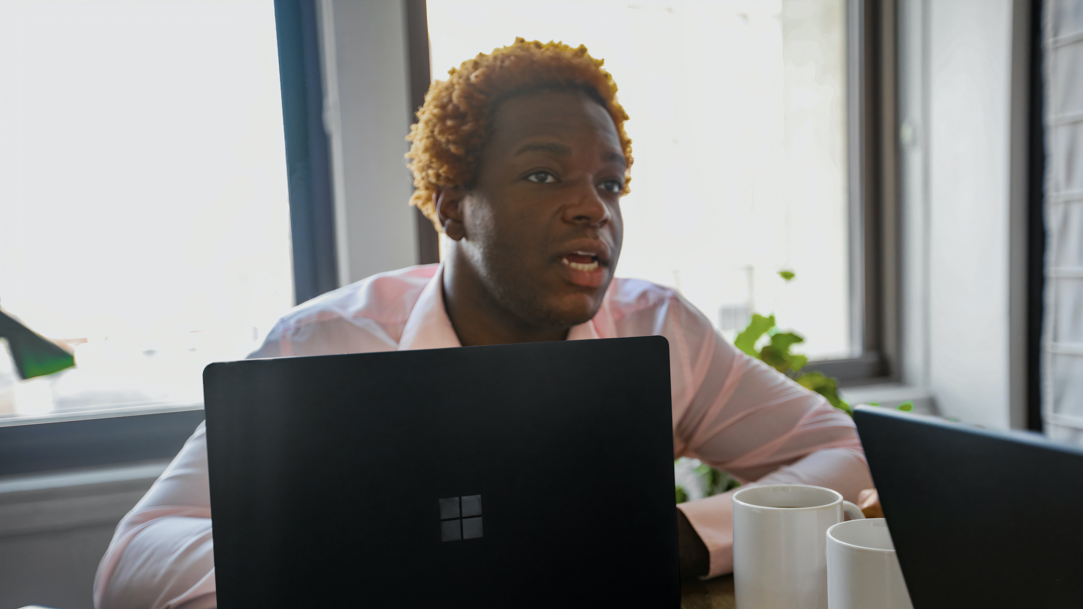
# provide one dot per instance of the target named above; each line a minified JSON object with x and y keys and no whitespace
{"x":869,"y":502}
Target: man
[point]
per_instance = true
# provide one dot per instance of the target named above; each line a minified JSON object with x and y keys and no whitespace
{"x":520,"y":158}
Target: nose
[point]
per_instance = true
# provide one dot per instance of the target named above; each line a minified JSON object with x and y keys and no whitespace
{"x":588,"y":208}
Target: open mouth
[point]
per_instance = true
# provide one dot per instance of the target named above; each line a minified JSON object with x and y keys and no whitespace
{"x":586,"y":263}
{"x":581,"y":261}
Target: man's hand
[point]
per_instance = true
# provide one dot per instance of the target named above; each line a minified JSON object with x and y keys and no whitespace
{"x":869,"y":502}
{"x":695,"y":560}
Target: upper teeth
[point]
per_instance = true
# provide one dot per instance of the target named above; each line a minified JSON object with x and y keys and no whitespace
{"x":580,"y":266}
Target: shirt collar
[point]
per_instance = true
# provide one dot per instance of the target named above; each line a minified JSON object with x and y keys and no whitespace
{"x":429,"y":327}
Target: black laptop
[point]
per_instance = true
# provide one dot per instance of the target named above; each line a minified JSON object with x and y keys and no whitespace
{"x":535,"y":475}
{"x":979,"y":518}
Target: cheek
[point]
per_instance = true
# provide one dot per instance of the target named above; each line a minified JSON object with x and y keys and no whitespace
{"x":618,"y":228}
{"x":479,"y":221}
{"x":522,"y":228}
{"x":500,"y":242}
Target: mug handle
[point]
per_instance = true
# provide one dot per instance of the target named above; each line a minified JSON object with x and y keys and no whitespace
{"x":852,"y":511}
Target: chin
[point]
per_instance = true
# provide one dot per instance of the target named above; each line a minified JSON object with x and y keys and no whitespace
{"x":574,"y":310}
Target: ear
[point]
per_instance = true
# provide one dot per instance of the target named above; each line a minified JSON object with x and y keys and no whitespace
{"x":449,"y":211}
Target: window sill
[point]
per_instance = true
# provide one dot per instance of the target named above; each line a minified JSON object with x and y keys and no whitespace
{"x":891,"y":395}
{"x":45,"y":503}
{"x":107,"y":412}
{"x":85,"y":439}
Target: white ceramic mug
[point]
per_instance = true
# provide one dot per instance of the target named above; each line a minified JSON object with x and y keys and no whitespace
{"x":779,"y":544}
{"x":862,"y":569}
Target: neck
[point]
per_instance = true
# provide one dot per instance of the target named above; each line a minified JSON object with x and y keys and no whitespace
{"x":476,"y":315}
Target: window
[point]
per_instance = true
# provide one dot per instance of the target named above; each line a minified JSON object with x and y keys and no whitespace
{"x":145,"y":217}
{"x":144,"y":213}
{"x":739,"y":130}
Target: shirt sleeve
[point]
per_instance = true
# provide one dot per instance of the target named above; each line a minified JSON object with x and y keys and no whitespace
{"x":161,"y":556}
{"x":735,"y":413}
{"x":162,"y":553}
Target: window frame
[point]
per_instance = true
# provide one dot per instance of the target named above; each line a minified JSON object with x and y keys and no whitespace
{"x":308,"y":157}
{"x":417,"y":47}
{"x":872,"y":121}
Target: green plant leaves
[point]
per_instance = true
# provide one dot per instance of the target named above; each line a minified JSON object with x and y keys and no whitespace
{"x":715,"y":481}
{"x":746,"y":340}
{"x":905,"y":406}
{"x":782,"y":341}
{"x":777,"y":353}
{"x":825,"y":386}
{"x":797,"y":362}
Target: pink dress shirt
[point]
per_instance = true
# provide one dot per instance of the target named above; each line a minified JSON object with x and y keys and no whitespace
{"x":729,"y":410}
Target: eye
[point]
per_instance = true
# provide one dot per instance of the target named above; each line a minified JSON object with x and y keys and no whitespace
{"x":542,"y":177}
{"x":614,"y":186}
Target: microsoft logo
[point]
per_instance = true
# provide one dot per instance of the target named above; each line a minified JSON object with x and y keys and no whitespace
{"x":460,"y":518}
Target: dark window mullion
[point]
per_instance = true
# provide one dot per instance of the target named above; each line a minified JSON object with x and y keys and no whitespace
{"x":417,"y":44}
{"x":312,"y":215}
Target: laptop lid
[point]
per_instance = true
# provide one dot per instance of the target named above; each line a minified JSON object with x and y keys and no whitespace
{"x":533,"y":475}
{"x":979,"y":518}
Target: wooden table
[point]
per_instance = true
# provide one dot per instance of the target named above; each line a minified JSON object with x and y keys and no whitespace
{"x":714,"y":593}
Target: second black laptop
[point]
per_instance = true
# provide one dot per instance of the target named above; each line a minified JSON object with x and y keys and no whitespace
{"x":979,"y":518}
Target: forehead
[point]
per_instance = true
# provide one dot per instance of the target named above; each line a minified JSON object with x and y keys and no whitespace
{"x":565,"y":115}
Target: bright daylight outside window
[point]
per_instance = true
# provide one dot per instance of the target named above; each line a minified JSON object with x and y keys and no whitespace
{"x":738,"y":127}
{"x":144,"y":215}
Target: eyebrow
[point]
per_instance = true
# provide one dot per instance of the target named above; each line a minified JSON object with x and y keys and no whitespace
{"x":556,"y":149}
{"x":615,"y":157}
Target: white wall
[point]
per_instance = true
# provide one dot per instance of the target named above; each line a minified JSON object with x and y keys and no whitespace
{"x":956,"y":103}
{"x":55,"y":528}
{"x":366,"y":113}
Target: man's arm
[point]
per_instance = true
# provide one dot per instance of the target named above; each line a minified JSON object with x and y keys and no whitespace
{"x":737,"y":414}
{"x":162,"y":552}
{"x":712,"y":518}
{"x":695,"y":559}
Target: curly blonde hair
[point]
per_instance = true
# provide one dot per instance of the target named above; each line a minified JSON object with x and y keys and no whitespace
{"x":453,"y":125}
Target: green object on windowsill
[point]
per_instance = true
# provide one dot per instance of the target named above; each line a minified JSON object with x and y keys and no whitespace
{"x":33,"y":354}
{"x":905,"y":406}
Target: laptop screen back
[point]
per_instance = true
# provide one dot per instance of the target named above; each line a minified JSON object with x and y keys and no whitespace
{"x":979,"y":518}
{"x":521,"y":475}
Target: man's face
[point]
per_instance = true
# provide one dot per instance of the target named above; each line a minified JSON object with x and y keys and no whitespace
{"x":542,"y":225}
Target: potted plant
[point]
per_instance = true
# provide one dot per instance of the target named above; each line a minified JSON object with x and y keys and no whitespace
{"x":764,"y":340}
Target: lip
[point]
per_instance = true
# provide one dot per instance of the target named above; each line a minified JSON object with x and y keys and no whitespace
{"x":588,"y":279}
{"x":595,"y":247}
